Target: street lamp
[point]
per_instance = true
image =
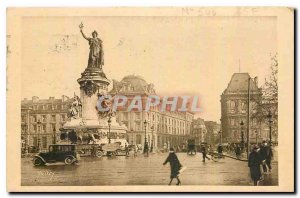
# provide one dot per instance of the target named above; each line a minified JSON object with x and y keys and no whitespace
{"x":39,"y":130}
{"x":242,"y":133}
{"x":132,"y":136}
{"x":109,"y":124}
{"x":26,"y":139}
{"x":269,"y":116}
{"x":54,"y":135}
{"x":256,"y":136}
{"x":220,"y":133}
{"x":145,"y":143}
{"x":151,"y":148}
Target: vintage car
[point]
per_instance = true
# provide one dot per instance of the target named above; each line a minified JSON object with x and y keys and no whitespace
{"x":57,"y":153}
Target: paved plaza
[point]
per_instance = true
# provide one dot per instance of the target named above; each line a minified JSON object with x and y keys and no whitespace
{"x":142,"y":170}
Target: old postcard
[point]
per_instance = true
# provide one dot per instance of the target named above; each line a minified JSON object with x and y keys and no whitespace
{"x":150,"y":99}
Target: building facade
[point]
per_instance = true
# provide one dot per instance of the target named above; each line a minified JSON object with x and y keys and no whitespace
{"x":162,"y":128}
{"x":41,"y":120}
{"x":234,"y":108}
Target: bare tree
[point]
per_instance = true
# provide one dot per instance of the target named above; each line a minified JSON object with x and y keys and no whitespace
{"x":270,"y":88}
{"x":268,"y":102}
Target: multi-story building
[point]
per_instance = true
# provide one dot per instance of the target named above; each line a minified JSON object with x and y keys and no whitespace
{"x":162,"y":128}
{"x":41,"y":120}
{"x":234,"y":110}
{"x":199,"y":132}
{"x":213,"y":132}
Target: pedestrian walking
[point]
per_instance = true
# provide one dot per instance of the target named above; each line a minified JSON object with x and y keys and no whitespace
{"x":266,"y":155}
{"x":238,"y":151}
{"x":204,"y":153}
{"x":126,"y":150}
{"x":135,"y":149}
{"x":220,"y":151}
{"x":254,"y":163}
{"x":175,"y":166}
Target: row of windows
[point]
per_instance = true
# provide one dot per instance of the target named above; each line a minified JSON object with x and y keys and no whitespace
{"x":175,"y":131}
{"x":43,"y":142}
{"x":170,"y":121}
{"x":51,"y":107}
{"x":238,"y":134}
{"x":237,"y":122}
{"x":166,"y":129}
{"x":41,"y":128}
{"x":45,"y":118}
{"x":239,"y":106}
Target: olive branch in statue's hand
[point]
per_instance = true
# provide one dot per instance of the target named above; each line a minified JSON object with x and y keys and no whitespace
{"x":81,"y":26}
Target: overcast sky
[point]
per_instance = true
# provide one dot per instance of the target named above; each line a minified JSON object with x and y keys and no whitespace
{"x":179,"y":55}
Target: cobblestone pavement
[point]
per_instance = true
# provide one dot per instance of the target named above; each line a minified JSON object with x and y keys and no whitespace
{"x":142,"y":170}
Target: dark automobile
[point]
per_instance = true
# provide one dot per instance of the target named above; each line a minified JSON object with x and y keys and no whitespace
{"x":57,"y":153}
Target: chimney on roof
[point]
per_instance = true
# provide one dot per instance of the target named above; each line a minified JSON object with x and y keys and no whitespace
{"x":51,"y":98}
{"x":255,"y":81}
{"x":64,"y":98}
{"x":35,"y":99}
{"x":25,"y":99}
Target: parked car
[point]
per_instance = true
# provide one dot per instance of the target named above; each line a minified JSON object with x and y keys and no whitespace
{"x":57,"y":153}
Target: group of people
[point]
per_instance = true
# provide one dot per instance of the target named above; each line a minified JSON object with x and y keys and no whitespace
{"x":209,"y":150}
{"x":129,"y":148}
{"x":260,"y":156}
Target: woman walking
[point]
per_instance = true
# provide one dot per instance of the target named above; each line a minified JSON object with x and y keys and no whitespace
{"x":175,"y":166}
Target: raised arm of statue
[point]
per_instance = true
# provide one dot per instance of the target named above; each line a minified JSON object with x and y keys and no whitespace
{"x":81,"y":27}
{"x":84,"y":35}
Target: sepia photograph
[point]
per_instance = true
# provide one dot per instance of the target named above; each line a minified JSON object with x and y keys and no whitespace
{"x":150,"y":99}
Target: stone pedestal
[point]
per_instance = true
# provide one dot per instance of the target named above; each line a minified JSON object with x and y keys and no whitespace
{"x":93,"y":81}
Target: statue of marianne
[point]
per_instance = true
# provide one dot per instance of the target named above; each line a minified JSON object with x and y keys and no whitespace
{"x":96,"y":59}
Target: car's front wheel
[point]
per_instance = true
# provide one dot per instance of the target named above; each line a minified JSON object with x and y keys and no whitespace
{"x":38,"y":161}
{"x":69,"y":160}
{"x":99,"y":154}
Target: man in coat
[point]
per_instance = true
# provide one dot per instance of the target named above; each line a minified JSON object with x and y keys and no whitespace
{"x":254,"y":162}
{"x":266,"y":155}
{"x":175,"y":166}
{"x":204,"y":153}
{"x":238,"y":151}
{"x":220,"y":151}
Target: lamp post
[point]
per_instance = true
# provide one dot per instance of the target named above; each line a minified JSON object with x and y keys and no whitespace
{"x":145,"y":143}
{"x":109,"y":124}
{"x":256,"y":136}
{"x":269,"y":116}
{"x":132,"y":135}
{"x":242,"y":134}
{"x":276,"y":137}
{"x":39,"y":130}
{"x":54,"y":135}
{"x":151,"y":148}
{"x":25,"y":139}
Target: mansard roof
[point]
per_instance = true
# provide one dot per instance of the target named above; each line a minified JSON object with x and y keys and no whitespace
{"x":132,"y":84}
{"x":239,"y":84}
